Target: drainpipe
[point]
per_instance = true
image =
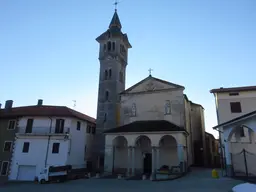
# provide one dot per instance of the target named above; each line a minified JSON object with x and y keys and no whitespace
{"x":185,"y":125}
{"x":222,"y":154}
{"x":187,"y":151}
{"x":220,"y":142}
{"x":48,"y":143}
{"x":191,"y":136}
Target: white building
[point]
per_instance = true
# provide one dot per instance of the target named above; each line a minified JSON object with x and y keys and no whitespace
{"x":239,"y":148}
{"x":235,"y":107}
{"x":49,"y":135}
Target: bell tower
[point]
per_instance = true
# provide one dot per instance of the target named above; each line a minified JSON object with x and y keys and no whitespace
{"x":113,"y":58}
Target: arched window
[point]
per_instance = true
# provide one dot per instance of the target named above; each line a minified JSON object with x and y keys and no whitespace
{"x":106,"y":75}
{"x":106,"y":95}
{"x":167,"y":107}
{"x":113,"y":46}
{"x":105,"y":117}
{"x":122,"y":50}
{"x":109,"y":46}
{"x":133,"y":109}
{"x":109,"y":73}
{"x":108,"y":34}
{"x":242,"y":134}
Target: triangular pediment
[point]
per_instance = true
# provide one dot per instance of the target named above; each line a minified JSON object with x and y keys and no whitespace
{"x":150,"y":84}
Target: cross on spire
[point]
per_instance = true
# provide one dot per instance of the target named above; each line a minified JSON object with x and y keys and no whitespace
{"x":74,"y":106}
{"x":150,"y":70}
{"x":116,"y":3}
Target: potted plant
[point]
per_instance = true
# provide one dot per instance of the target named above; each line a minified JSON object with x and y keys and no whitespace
{"x":164,"y":169}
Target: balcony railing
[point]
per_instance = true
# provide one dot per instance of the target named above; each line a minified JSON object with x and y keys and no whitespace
{"x":42,"y":131}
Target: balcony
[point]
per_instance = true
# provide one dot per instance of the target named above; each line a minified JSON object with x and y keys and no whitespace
{"x":42,"y":131}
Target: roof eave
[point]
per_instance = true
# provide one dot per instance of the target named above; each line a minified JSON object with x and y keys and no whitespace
{"x":149,"y":132}
{"x":149,"y":77}
{"x":196,"y":104}
{"x":147,"y":92}
{"x":235,"y":120}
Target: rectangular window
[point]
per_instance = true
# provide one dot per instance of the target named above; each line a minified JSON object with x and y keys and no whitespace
{"x":4,"y":168}
{"x":11,"y":125}
{"x":121,"y":76}
{"x":78,"y":125}
{"x":233,"y":94}
{"x":25,"y":147}
{"x":213,"y":146}
{"x":59,"y":126}
{"x":88,"y":129}
{"x":29,"y":125}
{"x":235,"y":107}
{"x":93,"y":130}
{"x":7,"y":146}
{"x":55,"y":147}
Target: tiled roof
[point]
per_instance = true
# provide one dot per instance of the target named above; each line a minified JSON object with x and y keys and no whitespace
{"x":186,"y":97}
{"x":115,"y":31}
{"x":44,"y":110}
{"x":209,"y":134}
{"x":115,"y":21}
{"x":146,"y":126}
{"x":233,"y":89}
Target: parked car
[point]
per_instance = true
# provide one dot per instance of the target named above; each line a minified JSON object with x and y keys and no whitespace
{"x":245,"y":187}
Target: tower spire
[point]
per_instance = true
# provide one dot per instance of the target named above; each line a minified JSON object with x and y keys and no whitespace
{"x":115,"y":22}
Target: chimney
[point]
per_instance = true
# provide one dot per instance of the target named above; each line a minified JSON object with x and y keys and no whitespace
{"x":8,"y":104}
{"x":40,"y":102}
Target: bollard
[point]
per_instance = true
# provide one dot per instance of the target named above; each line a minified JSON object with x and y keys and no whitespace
{"x":89,"y":175}
{"x":215,"y":174}
{"x":97,"y":175}
{"x":144,"y":177}
{"x":119,"y":176}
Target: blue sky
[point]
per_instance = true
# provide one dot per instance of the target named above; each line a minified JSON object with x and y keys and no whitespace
{"x":48,"y":49}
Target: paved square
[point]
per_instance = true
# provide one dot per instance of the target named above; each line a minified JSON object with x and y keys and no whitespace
{"x":196,"y":181}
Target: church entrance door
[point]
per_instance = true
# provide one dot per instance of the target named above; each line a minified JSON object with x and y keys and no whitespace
{"x":147,"y":163}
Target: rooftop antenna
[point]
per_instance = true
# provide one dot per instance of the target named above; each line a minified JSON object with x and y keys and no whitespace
{"x":74,"y":106}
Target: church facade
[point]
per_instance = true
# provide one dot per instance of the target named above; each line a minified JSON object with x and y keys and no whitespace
{"x":159,"y":127}
{"x":147,"y":126}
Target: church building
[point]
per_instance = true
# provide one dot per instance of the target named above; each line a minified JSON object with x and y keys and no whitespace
{"x":147,"y":126}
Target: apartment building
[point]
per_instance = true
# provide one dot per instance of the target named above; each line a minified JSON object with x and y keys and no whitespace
{"x":7,"y":138}
{"x":47,"y":136}
{"x":236,"y":109}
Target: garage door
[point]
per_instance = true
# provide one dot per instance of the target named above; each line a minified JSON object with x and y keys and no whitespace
{"x":26,"y":173}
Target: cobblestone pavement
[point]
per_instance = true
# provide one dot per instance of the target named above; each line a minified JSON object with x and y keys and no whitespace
{"x":198,"y":180}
